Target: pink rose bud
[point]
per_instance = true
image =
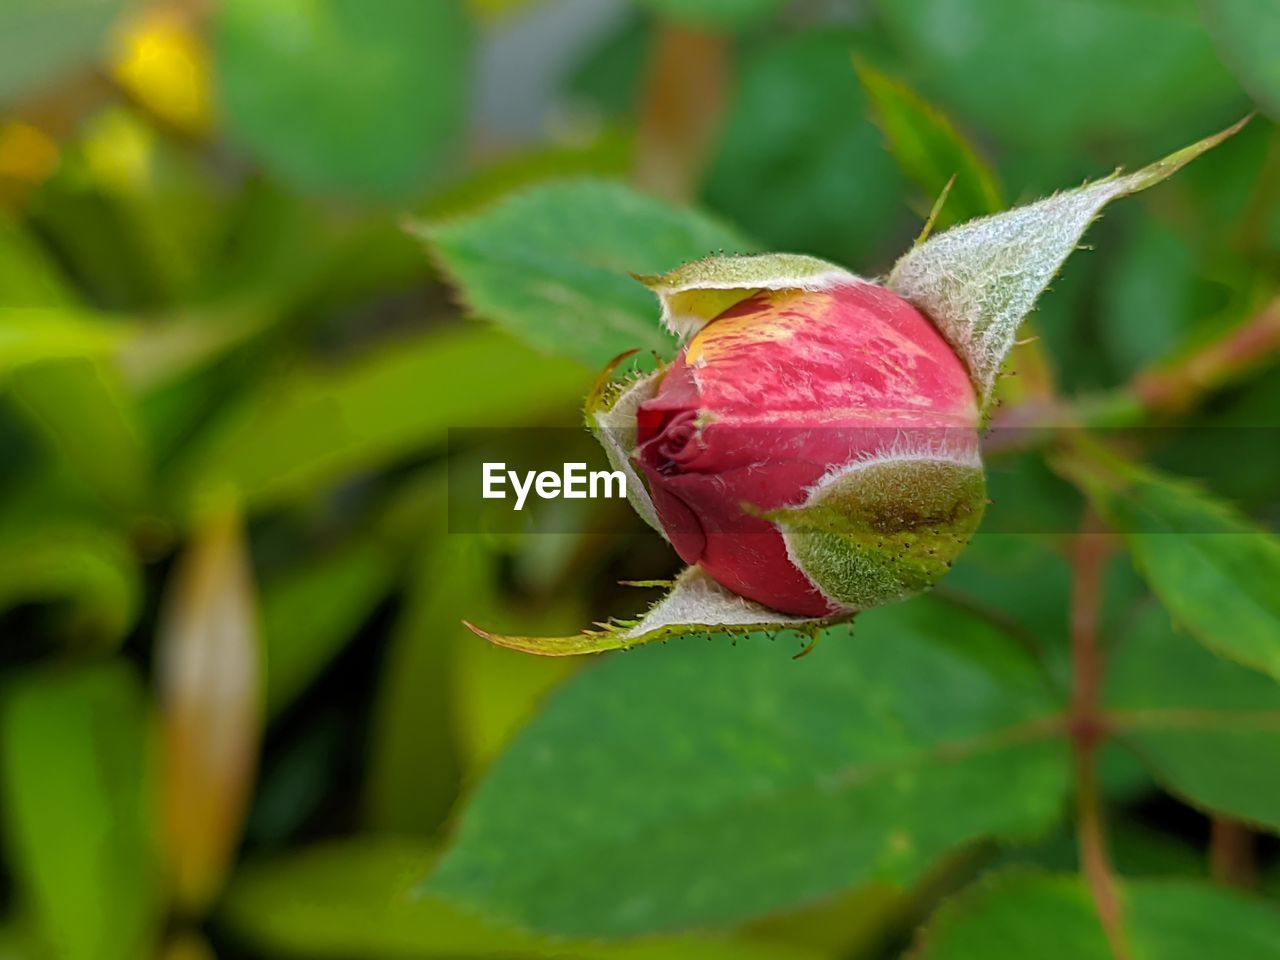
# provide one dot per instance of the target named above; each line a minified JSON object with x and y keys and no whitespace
{"x":815,"y":450}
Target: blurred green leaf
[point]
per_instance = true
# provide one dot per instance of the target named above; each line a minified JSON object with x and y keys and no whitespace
{"x":28,"y":275}
{"x":498,"y":690}
{"x":799,"y":165}
{"x":1021,"y":914}
{"x":40,"y":39}
{"x":15,"y":944}
{"x":89,"y":424}
{"x":714,"y":13}
{"x":1020,"y":578}
{"x":28,"y":335}
{"x":1208,"y":729}
{"x":414,"y":768}
{"x":1044,"y":73}
{"x":1137,"y":850}
{"x":313,"y":609}
{"x":608,"y":155}
{"x":357,"y":898}
{"x":334,"y":98}
{"x":310,"y":428}
{"x":99,"y":226}
{"x":713,"y":783}
{"x":49,"y":558}
{"x":1214,"y":571}
{"x":1147,"y":299}
{"x":1248,"y":34}
{"x":930,"y":149}
{"x":607,"y":79}
{"x":552,"y":264}
{"x":77,"y":782}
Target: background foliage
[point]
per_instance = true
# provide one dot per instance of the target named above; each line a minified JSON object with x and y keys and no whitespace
{"x":239,"y":716}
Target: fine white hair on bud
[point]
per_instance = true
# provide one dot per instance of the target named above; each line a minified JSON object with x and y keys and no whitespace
{"x":696,"y":604}
{"x":978,"y":281}
{"x":697,"y":599}
{"x":611,"y":417}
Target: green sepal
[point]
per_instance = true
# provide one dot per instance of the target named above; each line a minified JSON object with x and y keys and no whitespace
{"x":696,"y":605}
{"x":696,"y":293}
{"x":884,"y":530}
{"x":610,"y":415}
{"x":978,"y":281}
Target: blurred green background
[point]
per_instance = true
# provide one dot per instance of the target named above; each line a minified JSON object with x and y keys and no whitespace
{"x":239,"y":716}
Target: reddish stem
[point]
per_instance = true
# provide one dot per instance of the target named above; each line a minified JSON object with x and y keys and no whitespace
{"x":1182,"y":384}
{"x":1231,"y":859}
{"x":682,"y":103}
{"x":1087,"y":729}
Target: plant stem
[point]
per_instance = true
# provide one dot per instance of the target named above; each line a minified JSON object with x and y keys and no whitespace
{"x":1231,"y":859}
{"x":680,"y":110}
{"x":1154,"y":392}
{"x":1087,"y":729}
{"x":1184,"y":383}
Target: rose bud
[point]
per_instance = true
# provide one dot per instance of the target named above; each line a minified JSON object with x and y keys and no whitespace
{"x":812,"y":450}
{"x":815,"y":450}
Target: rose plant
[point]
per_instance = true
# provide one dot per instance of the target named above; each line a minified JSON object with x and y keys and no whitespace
{"x":813,"y":449}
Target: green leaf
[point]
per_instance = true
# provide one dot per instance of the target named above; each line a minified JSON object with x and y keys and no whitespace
{"x":1022,"y":914}
{"x":77,"y":785}
{"x":1214,"y":571}
{"x":335,"y":99}
{"x":1208,"y":729}
{"x":1060,"y":73}
{"x":1247,"y":33}
{"x":29,"y":335}
{"x":978,"y":281}
{"x":712,"y":783}
{"x":90,"y":568}
{"x":798,"y":165}
{"x":308,"y":430}
{"x":29,"y":277}
{"x":313,"y":609}
{"x":1022,"y":577}
{"x":930,"y":149}
{"x":40,"y":39}
{"x":357,"y":899}
{"x":1137,"y":851}
{"x":552,"y":264}
{"x":724,"y":14}
{"x":414,"y":768}
{"x":607,"y":155}
{"x":89,"y":424}
{"x":1147,"y":301}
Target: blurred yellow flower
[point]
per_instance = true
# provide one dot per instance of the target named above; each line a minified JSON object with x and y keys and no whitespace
{"x":159,"y":58}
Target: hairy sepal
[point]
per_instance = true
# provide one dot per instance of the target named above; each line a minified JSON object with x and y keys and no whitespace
{"x":695,"y":605}
{"x":978,"y":281}
{"x":696,"y":293}
{"x":610,"y":413}
{"x":885,"y":529}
